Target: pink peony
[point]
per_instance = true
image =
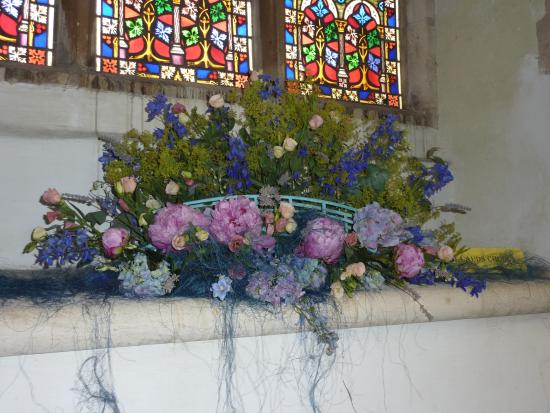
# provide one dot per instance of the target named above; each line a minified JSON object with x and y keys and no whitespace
{"x":114,"y":240}
{"x":172,"y":221}
{"x":235,"y":217}
{"x":51,"y":197}
{"x":323,"y":238}
{"x":409,"y":260}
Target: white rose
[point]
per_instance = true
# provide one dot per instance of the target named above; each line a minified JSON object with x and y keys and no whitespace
{"x":278,"y":152}
{"x":172,"y":188}
{"x":38,"y":234}
{"x":202,"y":235}
{"x":336,"y":290}
{"x":289,"y":144}
{"x":216,"y":101}
{"x":152,"y":203}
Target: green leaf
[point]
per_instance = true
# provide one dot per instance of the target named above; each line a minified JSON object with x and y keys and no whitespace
{"x":98,"y":217}
{"x":376,"y":178}
{"x":30,"y":247}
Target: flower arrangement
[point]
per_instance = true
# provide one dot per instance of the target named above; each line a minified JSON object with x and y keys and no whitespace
{"x":136,"y":222}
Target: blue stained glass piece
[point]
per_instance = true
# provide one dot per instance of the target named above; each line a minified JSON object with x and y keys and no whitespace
{"x":288,"y":3}
{"x":106,"y":51}
{"x":42,"y":1}
{"x":392,"y":55}
{"x":106,"y":10}
{"x":381,"y":5}
{"x":289,"y":38}
{"x":391,"y":21}
{"x":290,"y":73}
{"x":243,"y":67}
{"x":362,"y":16}
{"x":363,"y":95}
{"x":394,"y":88}
{"x":242,"y":30}
{"x":153,"y":68}
{"x":326,"y":90}
{"x":203,"y":73}
{"x":41,"y":40}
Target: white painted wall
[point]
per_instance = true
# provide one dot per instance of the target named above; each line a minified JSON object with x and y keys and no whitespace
{"x":499,"y":365}
{"x":494,"y":112}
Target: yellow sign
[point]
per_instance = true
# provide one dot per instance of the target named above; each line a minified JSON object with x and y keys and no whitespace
{"x":494,"y":258}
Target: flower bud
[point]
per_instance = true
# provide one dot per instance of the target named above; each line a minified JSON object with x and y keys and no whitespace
{"x":51,"y":197}
{"x":286,"y":210}
{"x":179,"y":243}
{"x":278,"y":151}
{"x":119,"y":189}
{"x":38,"y":234}
{"x":446,"y":253}
{"x":202,"y":235}
{"x":142,"y":221}
{"x":128,"y":184}
{"x":291,"y":226}
{"x":336,"y":290}
{"x":152,"y":203}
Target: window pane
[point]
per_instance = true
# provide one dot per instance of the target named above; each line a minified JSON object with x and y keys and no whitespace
{"x":350,"y":49}
{"x":26,"y":31}
{"x":202,"y":41}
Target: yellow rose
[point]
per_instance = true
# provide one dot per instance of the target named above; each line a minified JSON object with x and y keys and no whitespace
{"x":291,"y":226}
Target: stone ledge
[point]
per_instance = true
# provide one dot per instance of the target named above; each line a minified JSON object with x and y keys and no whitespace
{"x":27,"y":328}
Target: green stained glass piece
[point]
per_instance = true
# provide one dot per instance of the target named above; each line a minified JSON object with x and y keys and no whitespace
{"x":191,"y":36}
{"x":373,"y":38}
{"x":217,"y":12}
{"x":353,"y":61}
{"x":310,"y":53}
{"x":135,"y":28}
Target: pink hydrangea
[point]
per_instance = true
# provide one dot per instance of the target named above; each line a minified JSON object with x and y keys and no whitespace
{"x":235,"y":217}
{"x":173,"y":221}
{"x":409,"y":260}
{"x":323,"y":238}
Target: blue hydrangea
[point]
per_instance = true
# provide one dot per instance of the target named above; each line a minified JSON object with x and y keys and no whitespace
{"x":138,"y":280}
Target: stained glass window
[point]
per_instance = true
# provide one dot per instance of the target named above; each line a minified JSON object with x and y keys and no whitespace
{"x":202,"y":41}
{"x":26,"y":31}
{"x":350,"y":49}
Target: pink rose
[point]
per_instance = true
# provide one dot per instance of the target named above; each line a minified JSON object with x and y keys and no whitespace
{"x":430,"y":250}
{"x":69,"y":225}
{"x":123,"y":205}
{"x":357,"y":269}
{"x":286,"y":210}
{"x":323,"y":238}
{"x":409,"y":260}
{"x":52,"y":216}
{"x":270,"y":229}
{"x":129,"y":184}
{"x":316,"y":122}
{"x":446,"y":253}
{"x":179,"y":108}
{"x":51,"y":197}
{"x":280,"y":225}
{"x":351,"y":239}
{"x":236,"y":243}
{"x":114,"y":240}
{"x":268,"y":217}
{"x":179,"y":243}
{"x":172,"y":221}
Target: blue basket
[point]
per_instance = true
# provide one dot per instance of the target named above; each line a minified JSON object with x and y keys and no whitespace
{"x":339,"y":212}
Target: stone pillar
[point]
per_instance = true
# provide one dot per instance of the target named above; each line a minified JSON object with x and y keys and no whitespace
{"x":24,"y":26}
{"x":122,"y":45}
{"x":301,"y":68}
{"x":342,"y":74}
{"x":176,"y":51}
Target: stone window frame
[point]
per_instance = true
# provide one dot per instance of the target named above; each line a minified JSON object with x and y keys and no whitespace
{"x":74,"y":58}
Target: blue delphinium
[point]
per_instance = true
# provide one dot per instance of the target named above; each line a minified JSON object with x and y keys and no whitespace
{"x":221,"y":288}
{"x":138,"y":280}
{"x":66,"y":247}
{"x":456,"y":278}
{"x":271,"y":88}
{"x":156,"y":107}
{"x":238,"y":169}
{"x":384,"y":140}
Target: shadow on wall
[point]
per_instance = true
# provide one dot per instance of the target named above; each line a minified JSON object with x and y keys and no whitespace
{"x":543,"y":34}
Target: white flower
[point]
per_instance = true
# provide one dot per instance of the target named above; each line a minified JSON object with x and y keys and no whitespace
{"x":38,"y":234}
{"x":239,"y":45}
{"x":127,"y":68}
{"x":218,"y":38}
{"x":39,"y":13}
{"x":336,"y":290}
{"x":163,"y":31}
{"x":289,"y":144}
{"x":18,"y":54}
{"x":188,"y":74}
{"x":330,"y":57}
{"x":291,"y":52}
{"x":167,"y":72}
{"x":11,"y":7}
{"x":109,"y":26}
{"x":216,"y":101}
{"x":291,"y":226}
{"x":239,"y":7}
{"x":152,"y":203}
{"x":172,"y":188}
{"x":190,"y":9}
